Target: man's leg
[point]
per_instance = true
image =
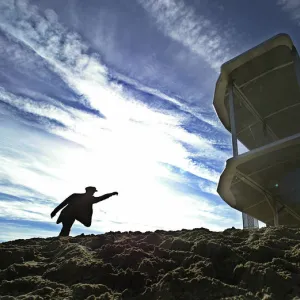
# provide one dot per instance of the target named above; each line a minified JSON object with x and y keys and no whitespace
{"x":87,"y":223}
{"x":85,"y":220}
{"x":67,"y":224}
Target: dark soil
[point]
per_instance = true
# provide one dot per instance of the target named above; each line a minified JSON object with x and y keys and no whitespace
{"x":187,"y":264}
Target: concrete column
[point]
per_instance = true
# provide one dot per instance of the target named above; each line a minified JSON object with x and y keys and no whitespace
{"x":232,"y":121}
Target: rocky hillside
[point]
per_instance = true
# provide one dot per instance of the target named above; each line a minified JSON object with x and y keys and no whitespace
{"x":186,"y":264}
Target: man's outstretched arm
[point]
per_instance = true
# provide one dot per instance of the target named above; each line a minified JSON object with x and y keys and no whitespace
{"x":62,"y":205}
{"x":103,"y":197}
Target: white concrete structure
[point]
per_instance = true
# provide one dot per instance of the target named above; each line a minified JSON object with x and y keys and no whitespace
{"x":257,"y":98}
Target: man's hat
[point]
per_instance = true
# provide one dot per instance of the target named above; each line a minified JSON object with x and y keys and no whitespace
{"x":91,"y":188}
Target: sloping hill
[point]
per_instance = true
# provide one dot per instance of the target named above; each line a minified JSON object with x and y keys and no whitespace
{"x":186,"y":264}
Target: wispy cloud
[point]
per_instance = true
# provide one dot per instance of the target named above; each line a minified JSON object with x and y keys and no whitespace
{"x":128,"y":149}
{"x":292,"y":7}
{"x":190,"y":108}
{"x":40,"y":109}
{"x":208,"y":186}
{"x":181,"y":23}
{"x":12,"y":231}
{"x":66,"y":53}
{"x":24,"y":229}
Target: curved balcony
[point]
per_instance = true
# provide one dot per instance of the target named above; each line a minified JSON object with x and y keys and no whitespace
{"x":257,"y":99}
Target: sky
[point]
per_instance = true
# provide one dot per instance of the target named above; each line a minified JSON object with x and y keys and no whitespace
{"x":118,"y":95}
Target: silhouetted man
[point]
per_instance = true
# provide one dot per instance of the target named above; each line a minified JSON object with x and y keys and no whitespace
{"x":79,"y":207}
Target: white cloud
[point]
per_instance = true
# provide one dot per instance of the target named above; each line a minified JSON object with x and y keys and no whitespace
{"x":24,"y":210}
{"x":122,"y":152}
{"x":182,"y":106}
{"x":292,"y":7}
{"x":37,"y":108}
{"x":11,"y":231}
{"x":17,"y":229}
{"x":208,"y":187}
{"x":181,"y":23}
{"x":90,"y":80}
{"x":149,"y":207}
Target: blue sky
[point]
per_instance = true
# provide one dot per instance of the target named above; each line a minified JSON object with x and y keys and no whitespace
{"x":118,"y":94}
